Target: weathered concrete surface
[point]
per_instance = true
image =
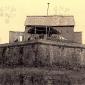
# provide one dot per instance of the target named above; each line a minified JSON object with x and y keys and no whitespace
{"x":41,"y":53}
{"x":37,"y":76}
{"x":42,"y":62}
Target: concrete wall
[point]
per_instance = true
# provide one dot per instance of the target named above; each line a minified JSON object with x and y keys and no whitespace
{"x":66,"y":32}
{"x":15,"y":36}
{"x":78,"y":37}
{"x":32,"y":78}
{"x":41,"y":55}
{"x":40,"y":77}
{"x":42,"y":63}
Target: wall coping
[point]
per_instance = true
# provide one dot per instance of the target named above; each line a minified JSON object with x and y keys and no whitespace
{"x":45,"y":42}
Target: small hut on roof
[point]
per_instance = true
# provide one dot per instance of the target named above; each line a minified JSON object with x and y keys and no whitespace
{"x":48,"y":26}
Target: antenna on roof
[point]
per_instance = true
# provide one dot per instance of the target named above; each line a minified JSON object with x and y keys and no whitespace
{"x":48,"y":8}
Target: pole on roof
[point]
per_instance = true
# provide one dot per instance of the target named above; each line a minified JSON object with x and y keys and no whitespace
{"x":48,"y":8}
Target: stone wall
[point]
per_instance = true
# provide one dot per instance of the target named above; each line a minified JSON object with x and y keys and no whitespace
{"x":41,"y":54}
{"x":13,"y":77}
{"x":36,"y":76}
{"x":42,"y":63}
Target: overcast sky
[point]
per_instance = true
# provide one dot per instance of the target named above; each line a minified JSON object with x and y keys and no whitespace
{"x":13,"y":13}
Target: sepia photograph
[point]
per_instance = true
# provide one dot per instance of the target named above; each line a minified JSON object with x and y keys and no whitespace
{"x":42,"y":42}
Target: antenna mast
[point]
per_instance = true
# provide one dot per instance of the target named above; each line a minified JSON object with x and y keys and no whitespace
{"x":48,"y":8}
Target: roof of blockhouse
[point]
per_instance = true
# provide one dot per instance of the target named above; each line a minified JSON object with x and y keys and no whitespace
{"x":55,"y":20}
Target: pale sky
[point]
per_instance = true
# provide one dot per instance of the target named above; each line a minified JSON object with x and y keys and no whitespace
{"x":13,"y":13}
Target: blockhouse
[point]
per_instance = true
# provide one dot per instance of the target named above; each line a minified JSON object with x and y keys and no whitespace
{"x":49,"y":52}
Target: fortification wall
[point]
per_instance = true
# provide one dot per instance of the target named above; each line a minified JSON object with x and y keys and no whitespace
{"x":41,"y":53}
{"x":36,"y":76}
{"x":42,"y":62}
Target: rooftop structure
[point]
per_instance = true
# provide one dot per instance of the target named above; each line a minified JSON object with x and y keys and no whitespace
{"x":48,"y":27}
{"x":50,"y":20}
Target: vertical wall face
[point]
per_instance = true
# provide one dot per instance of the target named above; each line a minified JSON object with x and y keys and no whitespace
{"x":17,"y":77}
{"x":15,"y":36}
{"x":32,"y":78}
{"x":37,"y":56}
{"x":41,"y":55}
{"x":66,"y":32}
{"x":58,"y":55}
{"x":78,"y":37}
{"x":28,"y":55}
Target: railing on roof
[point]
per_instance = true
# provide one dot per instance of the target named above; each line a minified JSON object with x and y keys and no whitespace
{"x":53,"y":37}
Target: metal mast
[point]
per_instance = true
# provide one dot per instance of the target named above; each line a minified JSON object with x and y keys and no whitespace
{"x":48,"y":8}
